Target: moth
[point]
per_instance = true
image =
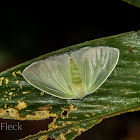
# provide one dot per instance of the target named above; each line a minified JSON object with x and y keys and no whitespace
{"x":75,"y":74}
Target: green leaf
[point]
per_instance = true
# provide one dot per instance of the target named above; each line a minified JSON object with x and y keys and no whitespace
{"x":119,"y":94}
{"x":133,"y":2}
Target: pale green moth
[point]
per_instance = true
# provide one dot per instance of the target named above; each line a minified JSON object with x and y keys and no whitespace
{"x":75,"y":74}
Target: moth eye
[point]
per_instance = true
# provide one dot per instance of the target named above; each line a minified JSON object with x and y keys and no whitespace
{"x":73,"y":75}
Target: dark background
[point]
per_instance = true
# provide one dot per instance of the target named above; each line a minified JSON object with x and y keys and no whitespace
{"x":29,"y":33}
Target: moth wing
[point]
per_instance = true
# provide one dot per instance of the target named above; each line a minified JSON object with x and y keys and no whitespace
{"x":95,"y":64}
{"x":51,"y":75}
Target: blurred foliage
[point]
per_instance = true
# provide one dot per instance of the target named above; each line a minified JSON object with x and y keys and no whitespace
{"x":133,"y":2}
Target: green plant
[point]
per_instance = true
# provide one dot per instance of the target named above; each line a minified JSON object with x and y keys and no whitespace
{"x":119,"y":94}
